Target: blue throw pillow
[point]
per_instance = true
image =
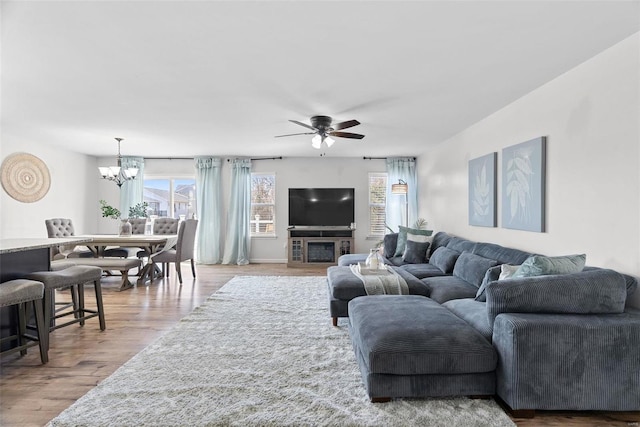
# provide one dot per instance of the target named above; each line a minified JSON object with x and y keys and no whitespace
{"x":472,"y":268}
{"x":402,"y":237}
{"x":539,"y":265}
{"x":415,"y":252}
{"x":444,"y":258}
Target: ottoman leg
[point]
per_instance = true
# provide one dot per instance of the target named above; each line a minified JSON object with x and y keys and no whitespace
{"x":334,"y":321}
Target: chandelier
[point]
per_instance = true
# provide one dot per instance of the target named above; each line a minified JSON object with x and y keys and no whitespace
{"x":116,"y":173}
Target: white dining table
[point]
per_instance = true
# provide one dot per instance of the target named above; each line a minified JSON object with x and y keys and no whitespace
{"x":152,"y":243}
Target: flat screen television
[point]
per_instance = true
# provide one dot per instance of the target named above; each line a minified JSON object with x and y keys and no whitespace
{"x":310,"y":207}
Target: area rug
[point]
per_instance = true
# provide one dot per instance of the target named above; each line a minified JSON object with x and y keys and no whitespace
{"x":259,"y":352}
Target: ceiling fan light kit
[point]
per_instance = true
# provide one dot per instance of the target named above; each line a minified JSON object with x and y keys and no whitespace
{"x":323,"y":131}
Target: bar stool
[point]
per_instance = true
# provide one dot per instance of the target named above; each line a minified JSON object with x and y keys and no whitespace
{"x":74,"y":277}
{"x":20,"y":292}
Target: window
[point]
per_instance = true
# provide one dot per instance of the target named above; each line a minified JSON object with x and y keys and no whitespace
{"x":263,"y":204}
{"x":172,"y":197}
{"x":377,"y":202}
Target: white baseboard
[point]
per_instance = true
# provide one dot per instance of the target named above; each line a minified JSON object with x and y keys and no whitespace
{"x":267,"y":261}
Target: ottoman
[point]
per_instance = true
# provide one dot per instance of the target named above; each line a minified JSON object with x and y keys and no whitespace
{"x":411,"y":346}
{"x":345,"y":286}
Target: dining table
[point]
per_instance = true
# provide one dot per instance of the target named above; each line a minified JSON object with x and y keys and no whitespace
{"x":151,"y":243}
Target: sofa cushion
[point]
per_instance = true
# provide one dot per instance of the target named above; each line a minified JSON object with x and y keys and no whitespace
{"x":445,"y":288}
{"x":415,"y":252}
{"x":473,"y":312}
{"x":472,"y":268}
{"x":500,"y":253}
{"x":345,"y":285}
{"x":444,"y":259}
{"x":597,"y":291}
{"x":439,"y":239}
{"x":402,"y":237}
{"x":492,"y":274}
{"x":396,"y":260}
{"x":539,"y":265}
{"x":460,"y":245}
{"x":423,"y":270}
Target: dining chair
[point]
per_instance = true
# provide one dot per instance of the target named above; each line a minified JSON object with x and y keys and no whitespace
{"x":63,"y":227}
{"x":184,"y":250}
{"x":162,"y":225}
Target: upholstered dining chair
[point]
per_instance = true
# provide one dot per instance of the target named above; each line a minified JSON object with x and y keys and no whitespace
{"x":165,"y":225}
{"x":184,"y":250}
{"x":162,"y":225}
{"x":138,"y":225}
{"x":63,"y":227}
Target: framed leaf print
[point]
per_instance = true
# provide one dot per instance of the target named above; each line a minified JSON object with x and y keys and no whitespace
{"x":523,"y":185}
{"x":482,"y":191}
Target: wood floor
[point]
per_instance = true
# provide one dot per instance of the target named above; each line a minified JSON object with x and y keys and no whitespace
{"x":31,"y":394}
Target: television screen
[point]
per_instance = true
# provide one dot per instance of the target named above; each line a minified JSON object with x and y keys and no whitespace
{"x":321,"y":206}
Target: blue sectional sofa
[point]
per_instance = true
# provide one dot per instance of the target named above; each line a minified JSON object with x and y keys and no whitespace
{"x":547,"y":342}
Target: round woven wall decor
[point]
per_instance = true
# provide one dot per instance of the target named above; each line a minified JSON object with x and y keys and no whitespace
{"x":25,"y":177}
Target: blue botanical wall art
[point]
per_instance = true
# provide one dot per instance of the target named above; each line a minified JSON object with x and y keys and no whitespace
{"x":523,"y":185}
{"x":482,"y":191}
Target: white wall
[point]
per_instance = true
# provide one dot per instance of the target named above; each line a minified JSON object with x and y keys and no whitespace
{"x":591,"y":118}
{"x":315,"y":172}
{"x":74,"y":183}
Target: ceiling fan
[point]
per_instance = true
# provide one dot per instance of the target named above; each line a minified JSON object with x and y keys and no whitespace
{"x":324,"y":130}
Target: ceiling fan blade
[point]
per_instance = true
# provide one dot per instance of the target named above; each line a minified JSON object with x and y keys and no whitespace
{"x":345,"y":125}
{"x":303,"y":124}
{"x":347,"y":135}
{"x":292,"y":134}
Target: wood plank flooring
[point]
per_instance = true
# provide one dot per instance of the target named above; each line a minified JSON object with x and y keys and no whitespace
{"x":32,"y":394}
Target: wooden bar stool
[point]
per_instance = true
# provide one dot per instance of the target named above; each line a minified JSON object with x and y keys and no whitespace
{"x":20,"y":292}
{"x":74,"y":277}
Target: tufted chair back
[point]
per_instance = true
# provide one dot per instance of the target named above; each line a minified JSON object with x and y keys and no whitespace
{"x":165,"y":225}
{"x":59,"y":227}
{"x":63,"y":227}
{"x":138,"y":225}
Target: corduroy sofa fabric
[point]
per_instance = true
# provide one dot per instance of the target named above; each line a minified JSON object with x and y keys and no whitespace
{"x":409,"y":335}
{"x":569,"y":361}
{"x":587,"y":292}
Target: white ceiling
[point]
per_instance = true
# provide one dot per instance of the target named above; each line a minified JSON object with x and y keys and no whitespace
{"x":185,"y":78}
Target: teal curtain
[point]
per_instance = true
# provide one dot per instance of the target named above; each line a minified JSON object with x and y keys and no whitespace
{"x":209,"y":210}
{"x":132,"y":192}
{"x":401,"y":168}
{"x":238,"y":239}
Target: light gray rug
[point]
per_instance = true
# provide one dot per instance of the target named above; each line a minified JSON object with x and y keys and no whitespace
{"x":261,"y":351}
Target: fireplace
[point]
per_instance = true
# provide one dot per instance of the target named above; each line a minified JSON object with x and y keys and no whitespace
{"x":321,"y":252}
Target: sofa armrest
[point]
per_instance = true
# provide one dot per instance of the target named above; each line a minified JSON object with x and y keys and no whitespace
{"x":587,"y":292}
{"x":568,"y":361}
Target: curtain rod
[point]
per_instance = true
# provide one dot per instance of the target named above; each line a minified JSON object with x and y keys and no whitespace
{"x":191,"y":158}
{"x":263,"y":158}
{"x":381,"y":158}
